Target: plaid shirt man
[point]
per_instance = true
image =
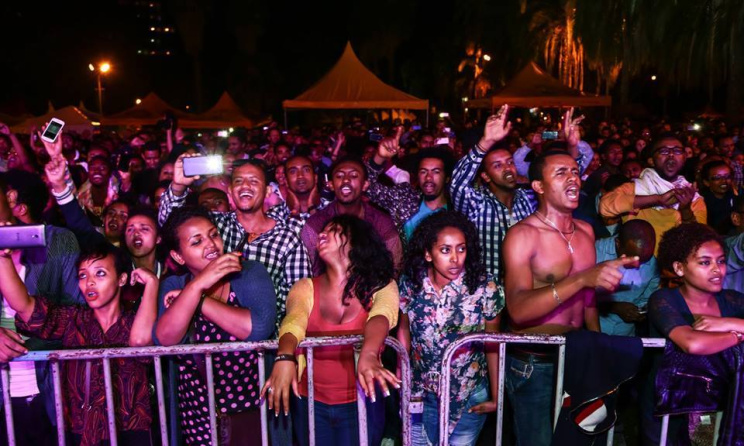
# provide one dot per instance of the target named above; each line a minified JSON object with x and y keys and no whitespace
{"x":279,"y":249}
{"x":490,"y":216}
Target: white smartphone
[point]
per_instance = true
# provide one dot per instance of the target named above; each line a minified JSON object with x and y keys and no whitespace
{"x":52,"y":130}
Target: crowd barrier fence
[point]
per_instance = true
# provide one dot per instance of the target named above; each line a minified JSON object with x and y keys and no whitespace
{"x":503,"y":339}
{"x":208,"y":350}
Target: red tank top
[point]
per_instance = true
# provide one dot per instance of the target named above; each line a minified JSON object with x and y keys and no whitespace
{"x":333,"y":367}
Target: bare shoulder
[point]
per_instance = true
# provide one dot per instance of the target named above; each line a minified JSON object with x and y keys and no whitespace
{"x":522,"y":234}
{"x":584,"y":227}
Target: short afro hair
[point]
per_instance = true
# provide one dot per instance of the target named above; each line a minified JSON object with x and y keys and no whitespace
{"x":678,"y":243}
{"x":31,"y":191}
{"x":175,"y":220}
{"x":535,"y":171}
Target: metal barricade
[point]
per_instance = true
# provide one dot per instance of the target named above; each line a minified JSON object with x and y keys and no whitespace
{"x":509,"y":338}
{"x":208,"y":350}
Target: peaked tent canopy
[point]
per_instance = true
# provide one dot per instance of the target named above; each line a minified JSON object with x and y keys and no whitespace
{"x":350,"y":85}
{"x":225,"y":113}
{"x":533,"y":87}
{"x":72,"y":116}
{"x":148,"y":112}
{"x":93,"y":116}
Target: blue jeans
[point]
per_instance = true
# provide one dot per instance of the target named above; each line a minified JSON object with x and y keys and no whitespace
{"x":279,"y":428}
{"x":337,"y":424}
{"x":530,"y":387}
{"x":468,"y":426}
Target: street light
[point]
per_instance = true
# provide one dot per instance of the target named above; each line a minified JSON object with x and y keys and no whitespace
{"x":103,"y":68}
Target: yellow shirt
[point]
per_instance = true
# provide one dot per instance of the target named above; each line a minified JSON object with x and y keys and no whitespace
{"x":619,"y":203}
{"x":385,"y":302}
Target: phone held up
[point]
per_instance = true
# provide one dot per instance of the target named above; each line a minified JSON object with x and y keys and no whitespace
{"x":26,"y":236}
{"x":549,"y":135}
{"x":203,"y":165}
{"x":52,"y":130}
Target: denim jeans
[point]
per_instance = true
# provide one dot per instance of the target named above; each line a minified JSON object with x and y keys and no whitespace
{"x":279,"y":428}
{"x":468,"y":426}
{"x":530,"y":387}
{"x":337,"y":424}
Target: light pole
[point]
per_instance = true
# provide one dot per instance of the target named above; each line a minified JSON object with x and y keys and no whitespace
{"x":103,"y":68}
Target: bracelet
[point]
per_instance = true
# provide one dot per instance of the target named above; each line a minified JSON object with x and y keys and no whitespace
{"x":738,"y":335}
{"x":555,"y":293}
{"x":285,"y":357}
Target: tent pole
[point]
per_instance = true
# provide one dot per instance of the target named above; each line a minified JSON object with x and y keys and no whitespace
{"x":285,"y":119}
{"x":427,"y":116}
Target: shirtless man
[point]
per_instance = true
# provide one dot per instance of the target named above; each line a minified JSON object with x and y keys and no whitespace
{"x":551,"y":275}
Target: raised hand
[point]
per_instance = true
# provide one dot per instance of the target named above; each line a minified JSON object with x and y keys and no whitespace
{"x":181,"y":181}
{"x":571,"y":128}
{"x":56,"y":172}
{"x":143,"y":276}
{"x":4,"y":129}
{"x":497,"y":128}
{"x":684,"y":195}
{"x":54,"y":149}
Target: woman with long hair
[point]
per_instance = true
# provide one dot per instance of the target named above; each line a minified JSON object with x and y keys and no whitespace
{"x":221,"y":298}
{"x":355,"y":295}
{"x":446,"y":293}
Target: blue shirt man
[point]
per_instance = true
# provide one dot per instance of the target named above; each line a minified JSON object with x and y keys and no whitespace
{"x":623,"y":308}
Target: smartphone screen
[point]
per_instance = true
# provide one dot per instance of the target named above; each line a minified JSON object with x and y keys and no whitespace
{"x":549,"y":135}
{"x":52,"y":130}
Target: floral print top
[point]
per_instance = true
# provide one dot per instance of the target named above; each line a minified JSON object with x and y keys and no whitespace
{"x":437,"y":319}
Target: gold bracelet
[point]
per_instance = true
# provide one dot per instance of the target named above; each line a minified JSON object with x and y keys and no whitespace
{"x":555,"y":293}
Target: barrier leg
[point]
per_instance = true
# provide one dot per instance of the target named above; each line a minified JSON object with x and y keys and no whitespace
{"x":500,"y":404}
{"x":361,"y":403}
{"x":160,"y":392}
{"x":310,"y":398}
{"x":664,"y":430}
{"x":108,"y":385}
{"x":261,"y":382}
{"x":8,"y":404}
{"x":559,"y":383}
{"x":212,"y":403}
{"x":58,"y":407}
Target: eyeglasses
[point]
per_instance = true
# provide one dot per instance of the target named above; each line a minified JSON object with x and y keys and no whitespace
{"x":666,"y":151}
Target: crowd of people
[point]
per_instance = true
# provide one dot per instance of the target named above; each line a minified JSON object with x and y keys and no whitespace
{"x":423,"y":234}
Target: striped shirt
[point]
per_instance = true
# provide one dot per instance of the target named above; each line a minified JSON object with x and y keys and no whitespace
{"x":490,"y":216}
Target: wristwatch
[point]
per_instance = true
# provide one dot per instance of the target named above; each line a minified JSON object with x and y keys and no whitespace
{"x":739,"y":336}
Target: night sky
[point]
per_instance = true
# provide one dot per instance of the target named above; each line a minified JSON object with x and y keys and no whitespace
{"x":261,"y":52}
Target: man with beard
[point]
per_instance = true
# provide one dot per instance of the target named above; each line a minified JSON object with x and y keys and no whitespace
{"x":660,"y":195}
{"x":258,"y":236}
{"x":406,"y":204}
{"x":497,"y":204}
{"x":349,"y":181}
{"x":551,"y":274}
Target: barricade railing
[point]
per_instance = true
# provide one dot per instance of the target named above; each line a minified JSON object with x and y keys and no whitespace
{"x":208,"y":350}
{"x":509,"y":338}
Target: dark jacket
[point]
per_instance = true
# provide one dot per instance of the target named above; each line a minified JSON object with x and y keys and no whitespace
{"x":596,"y":365}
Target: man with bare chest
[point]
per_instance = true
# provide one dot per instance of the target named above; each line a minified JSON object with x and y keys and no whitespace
{"x":551,"y":275}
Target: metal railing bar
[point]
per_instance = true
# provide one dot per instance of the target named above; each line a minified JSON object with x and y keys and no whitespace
{"x":110,"y":410}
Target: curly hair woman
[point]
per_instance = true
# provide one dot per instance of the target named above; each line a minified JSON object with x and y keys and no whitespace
{"x":699,"y":317}
{"x":355,"y":295}
{"x":445,"y":293}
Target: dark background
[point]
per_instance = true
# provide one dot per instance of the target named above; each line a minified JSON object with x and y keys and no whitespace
{"x":263,"y":52}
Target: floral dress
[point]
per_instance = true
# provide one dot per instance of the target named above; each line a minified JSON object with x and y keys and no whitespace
{"x":439,"y":318}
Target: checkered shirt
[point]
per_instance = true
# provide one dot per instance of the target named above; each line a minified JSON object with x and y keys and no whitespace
{"x":490,"y":216}
{"x":279,"y":249}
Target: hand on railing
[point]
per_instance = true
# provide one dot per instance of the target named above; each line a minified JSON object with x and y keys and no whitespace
{"x":11,"y":345}
{"x":277,"y":386}
{"x":369,"y":370}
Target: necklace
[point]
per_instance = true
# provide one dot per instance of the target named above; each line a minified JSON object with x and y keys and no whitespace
{"x":554,"y":226}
